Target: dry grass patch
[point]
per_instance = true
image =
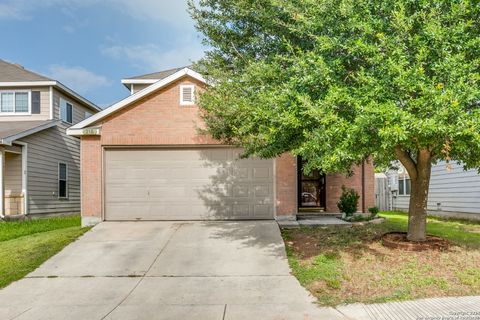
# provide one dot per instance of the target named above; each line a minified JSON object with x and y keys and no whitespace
{"x":341,"y":265}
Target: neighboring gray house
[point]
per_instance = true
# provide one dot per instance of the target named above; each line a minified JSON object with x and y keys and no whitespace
{"x":453,"y":191}
{"x":39,"y":163}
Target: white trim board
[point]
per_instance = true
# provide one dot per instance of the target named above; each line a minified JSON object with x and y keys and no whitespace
{"x":24,"y":174}
{"x":73,"y":130}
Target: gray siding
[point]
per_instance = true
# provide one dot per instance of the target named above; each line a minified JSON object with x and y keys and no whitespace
{"x":45,"y":150}
{"x":78,"y":109}
{"x":137,"y":87}
{"x":450,"y":191}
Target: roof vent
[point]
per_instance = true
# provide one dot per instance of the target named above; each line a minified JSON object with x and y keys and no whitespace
{"x":187,"y":94}
{"x":19,"y":65}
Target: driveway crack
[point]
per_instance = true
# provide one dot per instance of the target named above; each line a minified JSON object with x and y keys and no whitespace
{"x":175,"y":229}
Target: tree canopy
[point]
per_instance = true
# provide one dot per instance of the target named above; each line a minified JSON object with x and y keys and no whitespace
{"x":337,"y":81}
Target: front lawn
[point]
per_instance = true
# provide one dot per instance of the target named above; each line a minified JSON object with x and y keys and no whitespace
{"x":26,"y":245}
{"x":346,"y":265}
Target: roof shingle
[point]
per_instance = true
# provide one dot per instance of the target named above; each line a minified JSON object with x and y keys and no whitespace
{"x":10,"y":72}
{"x":157,"y":75}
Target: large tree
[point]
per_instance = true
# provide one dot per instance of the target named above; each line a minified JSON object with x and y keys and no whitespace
{"x":338,"y":81}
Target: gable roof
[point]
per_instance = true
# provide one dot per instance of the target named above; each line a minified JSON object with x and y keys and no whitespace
{"x":77,"y":128}
{"x":150,"y":78}
{"x":10,"y":72}
{"x":13,"y":130}
{"x":14,"y":75}
{"x":158,"y":75}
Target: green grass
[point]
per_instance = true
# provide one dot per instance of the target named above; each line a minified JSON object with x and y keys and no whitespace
{"x":345,"y":265}
{"x":16,"y":229}
{"x":459,"y":232}
{"x":26,"y":245}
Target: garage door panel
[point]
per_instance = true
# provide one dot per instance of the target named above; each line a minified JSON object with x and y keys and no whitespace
{"x":173,"y":192}
{"x":187,"y":184}
{"x":262,"y":210}
{"x":120,"y":194}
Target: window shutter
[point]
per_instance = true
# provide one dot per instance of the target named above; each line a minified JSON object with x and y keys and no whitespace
{"x":35,"y":97}
{"x":63,"y":110}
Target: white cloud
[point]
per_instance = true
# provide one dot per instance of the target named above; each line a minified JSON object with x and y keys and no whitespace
{"x":68,"y":29}
{"x":11,"y":10}
{"x":173,"y":12}
{"x":153,"y":58}
{"x":77,"y":78}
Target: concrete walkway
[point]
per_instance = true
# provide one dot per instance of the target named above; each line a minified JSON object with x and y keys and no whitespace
{"x":461,"y":308}
{"x":166,"y":270}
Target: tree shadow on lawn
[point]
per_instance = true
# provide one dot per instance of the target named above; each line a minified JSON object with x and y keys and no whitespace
{"x":339,"y":265}
{"x":309,"y":242}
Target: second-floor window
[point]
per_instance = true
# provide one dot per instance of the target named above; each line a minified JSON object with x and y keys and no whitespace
{"x":14,"y":102}
{"x":66,"y":111}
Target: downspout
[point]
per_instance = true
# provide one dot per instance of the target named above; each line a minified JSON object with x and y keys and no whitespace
{"x":363,"y":187}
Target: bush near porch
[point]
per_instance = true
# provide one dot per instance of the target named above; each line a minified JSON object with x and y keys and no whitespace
{"x":340,"y":265}
{"x":25,"y":245}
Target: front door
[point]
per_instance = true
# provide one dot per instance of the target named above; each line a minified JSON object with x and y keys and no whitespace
{"x":311,"y":189}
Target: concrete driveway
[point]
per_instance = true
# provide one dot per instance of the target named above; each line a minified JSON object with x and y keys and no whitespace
{"x":166,"y":270}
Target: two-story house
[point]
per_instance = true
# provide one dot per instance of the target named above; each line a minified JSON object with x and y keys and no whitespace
{"x":39,"y":163}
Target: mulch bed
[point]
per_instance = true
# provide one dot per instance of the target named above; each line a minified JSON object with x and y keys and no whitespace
{"x":398,"y":240}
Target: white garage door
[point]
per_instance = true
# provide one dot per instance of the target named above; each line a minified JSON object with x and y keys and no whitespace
{"x":186,"y":184}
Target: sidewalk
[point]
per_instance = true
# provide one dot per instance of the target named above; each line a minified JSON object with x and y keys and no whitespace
{"x":461,"y":308}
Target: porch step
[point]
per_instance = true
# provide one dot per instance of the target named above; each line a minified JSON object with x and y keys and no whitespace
{"x":320,"y":221}
{"x":313,"y":216}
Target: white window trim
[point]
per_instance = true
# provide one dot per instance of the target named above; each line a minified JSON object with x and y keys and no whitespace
{"x":66,"y":180}
{"x":15,"y":113}
{"x":404,"y":182}
{"x":187,"y":103}
{"x":60,"y":109}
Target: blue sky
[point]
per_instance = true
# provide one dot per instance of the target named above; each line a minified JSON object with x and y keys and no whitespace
{"x":90,"y":45}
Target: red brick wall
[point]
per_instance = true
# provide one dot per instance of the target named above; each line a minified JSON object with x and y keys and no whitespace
{"x":156,"y":119}
{"x":334,"y":183}
{"x":286,"y":185}
{"x":91,"y":180}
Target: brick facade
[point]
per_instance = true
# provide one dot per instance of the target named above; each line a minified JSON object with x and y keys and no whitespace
{"x":334,"y":183}
{"x":159,"y":119}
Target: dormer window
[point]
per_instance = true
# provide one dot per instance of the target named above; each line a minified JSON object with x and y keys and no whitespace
{"x":187,"y":94}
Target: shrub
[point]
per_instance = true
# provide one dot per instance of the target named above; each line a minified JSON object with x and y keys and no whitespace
{"x":373,"y":212}
{"x":348,"y":201}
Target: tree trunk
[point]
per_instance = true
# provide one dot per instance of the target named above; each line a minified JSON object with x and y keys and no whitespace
{"x":419,"y":172}
{"x":417,"y":211}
